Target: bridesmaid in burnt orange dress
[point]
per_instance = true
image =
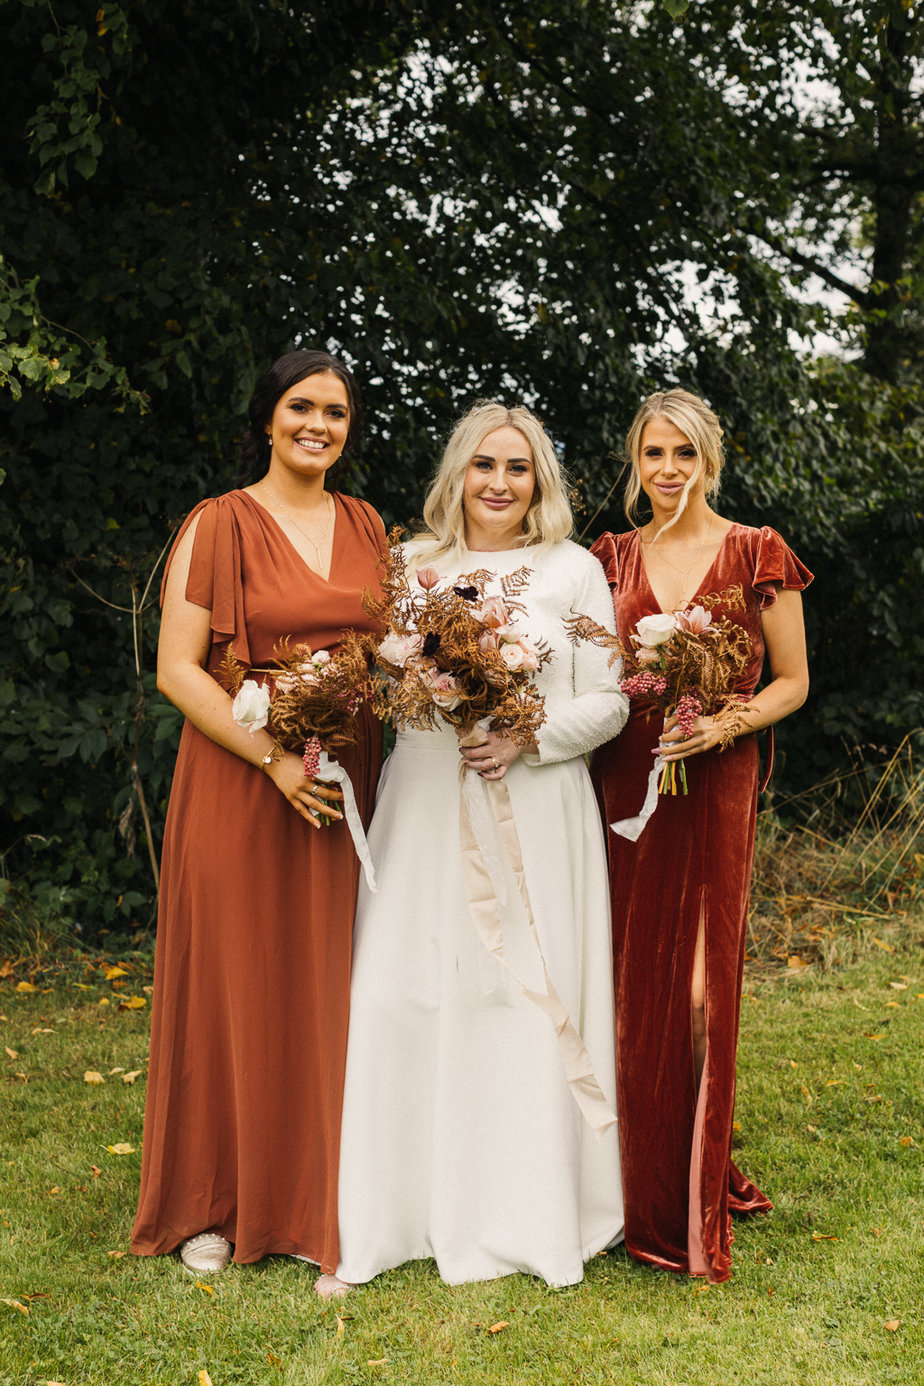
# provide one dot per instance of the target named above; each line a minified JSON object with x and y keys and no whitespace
{"x":680,"y":891}
{"x":251,"y":988}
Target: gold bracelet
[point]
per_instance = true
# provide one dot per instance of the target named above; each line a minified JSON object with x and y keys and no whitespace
{"x":275,"y":752}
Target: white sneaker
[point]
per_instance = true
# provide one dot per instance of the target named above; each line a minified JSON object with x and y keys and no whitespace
{"x":205,"y":1254}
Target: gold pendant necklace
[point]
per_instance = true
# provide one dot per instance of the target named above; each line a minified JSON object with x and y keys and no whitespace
{"x":313,"y":542}
{"x":684,"y":572}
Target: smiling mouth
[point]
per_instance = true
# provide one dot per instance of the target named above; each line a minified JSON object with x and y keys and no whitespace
{"x":496,"y":502}
{"x":311,"y":444}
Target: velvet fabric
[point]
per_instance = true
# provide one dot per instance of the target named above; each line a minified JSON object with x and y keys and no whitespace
{"x":254,"y":935}
{"x":692,"y":862}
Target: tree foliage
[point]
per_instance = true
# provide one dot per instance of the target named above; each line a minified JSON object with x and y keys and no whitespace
{"x":567,"y":203}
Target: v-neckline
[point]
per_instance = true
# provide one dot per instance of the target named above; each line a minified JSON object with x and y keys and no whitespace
{"x":702,"y":582}
{"x":333,"y":536}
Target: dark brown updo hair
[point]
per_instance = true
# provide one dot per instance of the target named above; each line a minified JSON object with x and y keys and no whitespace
{"x":287,"y":371}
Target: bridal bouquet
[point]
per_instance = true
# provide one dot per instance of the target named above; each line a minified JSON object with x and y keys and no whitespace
{"x":308,"y":701}
{"x":684,"y":663}
{"x":451,"y":653}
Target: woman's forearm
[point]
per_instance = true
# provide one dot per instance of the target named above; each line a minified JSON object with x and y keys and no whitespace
{"x":206,"y":704}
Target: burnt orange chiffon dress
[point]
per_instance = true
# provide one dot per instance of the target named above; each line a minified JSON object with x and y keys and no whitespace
{"x":692,"y":861}
{"x":252,"y":975}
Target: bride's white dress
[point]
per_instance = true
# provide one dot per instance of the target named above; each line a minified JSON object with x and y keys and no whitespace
{"x":461,"y":1137}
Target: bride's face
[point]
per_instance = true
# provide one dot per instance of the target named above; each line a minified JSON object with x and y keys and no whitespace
{"x":499,"y":486}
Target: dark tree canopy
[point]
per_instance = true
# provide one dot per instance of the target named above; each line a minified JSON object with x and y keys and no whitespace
{"x":566,"y":203}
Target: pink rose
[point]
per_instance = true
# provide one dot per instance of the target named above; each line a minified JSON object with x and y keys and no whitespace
{"x":647,"y":656}
{"x":513,"y":656}
{"x":695,"y":620}
{"x":507,"y":634}
{"x":398,"y":649}
{"x":443,"y":690}
{"x":530,"y":656}
{"x":488,"y":641}
{"x":493,"y":612}
{"x":427,"y":577}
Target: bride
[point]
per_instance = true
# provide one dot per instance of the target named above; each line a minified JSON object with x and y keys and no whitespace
{"x":473,"y":1131}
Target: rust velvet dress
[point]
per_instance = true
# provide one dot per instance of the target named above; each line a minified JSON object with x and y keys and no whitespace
{"x":692,"y":861}
{"x":252,"y":975}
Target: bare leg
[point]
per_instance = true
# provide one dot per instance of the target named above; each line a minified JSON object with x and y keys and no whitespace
{"x":698,"y":1001}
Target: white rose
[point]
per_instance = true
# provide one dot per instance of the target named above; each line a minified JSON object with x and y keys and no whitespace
{"x":654,"y":630}
{"x":251,"y":706}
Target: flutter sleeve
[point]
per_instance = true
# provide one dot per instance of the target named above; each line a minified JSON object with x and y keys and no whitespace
{"x":775,"y":566}
{"x":584,"y":705}
{"x":215,"y":579}
{"x":607,"y":555}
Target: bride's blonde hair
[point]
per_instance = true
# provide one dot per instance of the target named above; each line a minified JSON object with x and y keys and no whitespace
{"x":696,"y":420}
{"x":549,"y":518}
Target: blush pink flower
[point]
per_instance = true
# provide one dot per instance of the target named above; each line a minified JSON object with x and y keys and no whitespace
{"x":647,"y":656}
{"x":398,"y":649}
{"x":493,"y":612}
{"x":695,"y":620}
{"x":488,"y":641}
{"x":428,"y":578}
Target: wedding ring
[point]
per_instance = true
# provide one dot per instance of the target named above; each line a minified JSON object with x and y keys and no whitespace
{"x":496,"y":766}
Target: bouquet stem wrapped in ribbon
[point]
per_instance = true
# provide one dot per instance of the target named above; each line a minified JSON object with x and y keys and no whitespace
{"x":685,"y":664}
{"x":308,"y":701}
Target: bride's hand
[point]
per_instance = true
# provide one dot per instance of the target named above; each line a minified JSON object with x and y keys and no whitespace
{"x":492,"y":757}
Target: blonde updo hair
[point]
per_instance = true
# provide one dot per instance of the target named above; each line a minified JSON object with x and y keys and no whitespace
{"x":549,"y":518}
{"x":693,"y":417}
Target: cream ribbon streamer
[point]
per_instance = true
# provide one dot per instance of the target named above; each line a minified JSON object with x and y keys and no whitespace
{"x":485,"y":811}
{"x":330,"y":771}
{"x":632,"y":827}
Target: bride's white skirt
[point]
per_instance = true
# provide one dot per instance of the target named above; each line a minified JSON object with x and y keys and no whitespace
{"x":461,"y":1138}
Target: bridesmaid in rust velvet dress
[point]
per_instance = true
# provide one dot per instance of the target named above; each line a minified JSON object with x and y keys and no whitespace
{"x":680,"y":891}
{"x":251,"y":990}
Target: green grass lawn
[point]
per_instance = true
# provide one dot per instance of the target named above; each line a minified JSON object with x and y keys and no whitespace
{"x":827,"y":1289}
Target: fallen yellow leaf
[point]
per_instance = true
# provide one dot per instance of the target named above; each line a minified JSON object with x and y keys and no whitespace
{"x":899,"y":986}
{"x":112,"y":970}
{"x":886,"y":947}
{"x":499,"y":1326}
{"x":116,"y":1070}
{"x":25,"y":986}
{"x":130,"y":1077}
{"x":736,"y":1127}
{"x":834,"y":1083}
{"x":204,"y":1379}
{"x":43,"y":1030}
{"x":115,"y":1255}
{"x":795,"y":962}
{"x":95,"y":1171}
{"x":376,"y":1361}
{"x":892,"y":1003}
{"x":273,"y":1360}
{"x":13,"y":1053}
{"x":54,"y":1189}
{"x":104,"y":1001}
{"x":906,"y":1140}
{"x":6,"y":970}
{"x":91,"y":1076}
{"x":207,"y":1288}
{"x":122,"y":1148}
{"x":821,"y":1237}
{"x":15,"y":1304}
{"x":133,"y":1003}
{"x":892,"y":1324}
